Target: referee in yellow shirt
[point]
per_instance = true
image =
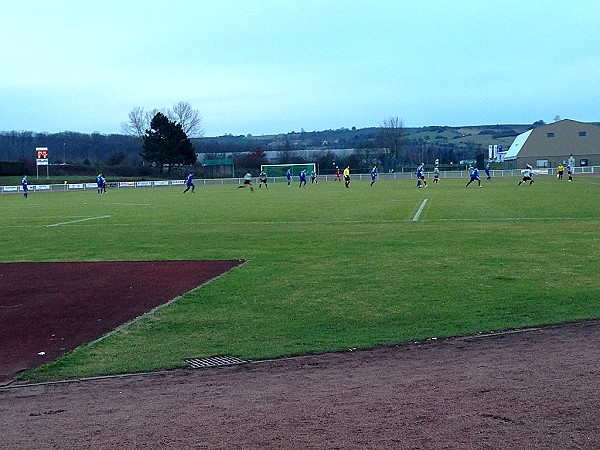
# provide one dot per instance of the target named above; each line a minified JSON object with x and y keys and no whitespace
{"x":347,"y":176}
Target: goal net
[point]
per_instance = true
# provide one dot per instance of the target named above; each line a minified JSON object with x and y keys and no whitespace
{"x":279,"y":170}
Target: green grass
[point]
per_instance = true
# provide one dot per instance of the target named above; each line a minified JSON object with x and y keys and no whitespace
{"x":327,"y":268}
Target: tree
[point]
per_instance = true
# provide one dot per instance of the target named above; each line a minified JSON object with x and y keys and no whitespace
{"x":165,"y":143}
{"x":190,"y":119}
{"x":391,"y":134}
{"x":116,"y":158}
{"x":139,"y":122}
{"x":182,"y":113}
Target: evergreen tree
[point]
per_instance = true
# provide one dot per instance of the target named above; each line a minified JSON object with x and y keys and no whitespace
{"x":165,"y":143}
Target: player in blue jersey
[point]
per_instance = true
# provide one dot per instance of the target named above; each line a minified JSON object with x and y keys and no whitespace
{"x":373,"y":175}
{"x":302,"y":178}
{"x":100,"y":182}
{"x":474,"y":176}
{"x":421,"y":176}
{"x":488,"y":175}
{"x":24,"y":186}
{"x":288,"y":175}
{"x":189,"y":183}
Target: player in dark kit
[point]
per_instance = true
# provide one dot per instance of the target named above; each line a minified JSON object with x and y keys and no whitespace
{"x":100,"y":182}
{"x":373,"y":175}
{"x":24,"y":186}
{"x":247,"y":182}
{"x":527,"y":175}
{"x":189,"y":183}
{"x":474,"y":176}
{"x":436,"y":175}
{"x":262,"y":179}
{"x":302,"y":178}
{"x":421,"y":181}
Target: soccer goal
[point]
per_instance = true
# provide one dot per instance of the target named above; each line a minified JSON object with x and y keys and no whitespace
{"x":279,"y":170}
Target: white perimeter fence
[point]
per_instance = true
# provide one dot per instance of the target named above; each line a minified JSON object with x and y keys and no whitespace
{"x":67,"y":187}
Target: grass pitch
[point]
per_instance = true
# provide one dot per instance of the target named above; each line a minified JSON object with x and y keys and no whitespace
{"x":328,"y":268}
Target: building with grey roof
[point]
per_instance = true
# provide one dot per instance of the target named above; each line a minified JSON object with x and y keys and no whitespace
{"x":557,"y":143}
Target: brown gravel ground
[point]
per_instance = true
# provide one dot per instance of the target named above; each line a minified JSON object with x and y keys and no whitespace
{"x":47,"y":309}
{"x":532,"y":389}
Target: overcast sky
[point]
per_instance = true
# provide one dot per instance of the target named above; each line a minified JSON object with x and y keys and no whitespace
{"x":272,"y":66}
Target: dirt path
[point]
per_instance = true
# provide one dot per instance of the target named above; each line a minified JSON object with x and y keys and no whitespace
{"x":536,"y":389}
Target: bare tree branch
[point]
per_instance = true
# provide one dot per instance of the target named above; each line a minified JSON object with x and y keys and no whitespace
{"x":189,"y":118}
{"x":135,"y":126}
{"x":182,"y":113}
{"x":392,"y":131}
{"x":139,"y":121}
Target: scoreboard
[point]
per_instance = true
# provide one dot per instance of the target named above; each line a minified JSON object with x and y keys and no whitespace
{"x":41,"y":156}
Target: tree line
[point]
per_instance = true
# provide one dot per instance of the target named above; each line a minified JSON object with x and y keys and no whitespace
{"x":168,"y":139}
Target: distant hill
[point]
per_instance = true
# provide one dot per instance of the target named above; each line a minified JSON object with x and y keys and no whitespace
{"x":478,"y":135}
{"x":422,"y":144}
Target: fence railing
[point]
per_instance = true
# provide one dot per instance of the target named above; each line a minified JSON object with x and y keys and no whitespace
{"x":70,"y":187}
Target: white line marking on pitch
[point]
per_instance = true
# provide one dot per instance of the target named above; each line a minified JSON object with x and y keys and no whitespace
{"x":76,"y":221}
{"x":419,"y":211}
{"x":133,"y":204}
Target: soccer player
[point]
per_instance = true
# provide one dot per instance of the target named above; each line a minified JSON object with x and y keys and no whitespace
{"x":421,"y":176}
{"x":436,"y":174}
{"x":373,"y":175}
{"x":302,"y":178}
{"x":527,"y":175}
{"x":288,"y":175}
{"x":313,"y":177}
{"x":189,"y":183}
{"x":247,"y":181}
{"x":100,"y":183}
{"x":560,"y":170}
{"x":347,"y":176}
{"x":488,"y":176}
{"x":474,"y":176}
{"x":262,"y":179}
{"x":570,"y":171}
{"x":24,"y":186}
{"x":337,"y":174}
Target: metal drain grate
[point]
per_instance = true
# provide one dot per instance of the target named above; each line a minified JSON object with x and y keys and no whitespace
{"x":213,"y":361}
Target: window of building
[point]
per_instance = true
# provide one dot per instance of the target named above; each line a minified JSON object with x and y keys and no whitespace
{"x":550,"y":135}
{"x":542,"y":163}
{"x":582,"y":133}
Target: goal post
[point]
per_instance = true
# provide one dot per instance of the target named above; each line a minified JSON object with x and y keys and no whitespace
{"x":279,"y":170}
